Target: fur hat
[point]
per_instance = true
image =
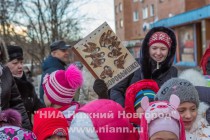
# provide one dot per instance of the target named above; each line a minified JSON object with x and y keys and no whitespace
{"x":161,"y":116}
{"x":15,"y":52}
{"x":60,"y":86}
{"x":10,"y":117}
{"x":160,"y":37}
{"x":180,"y":87}
{"x":48,"y":122}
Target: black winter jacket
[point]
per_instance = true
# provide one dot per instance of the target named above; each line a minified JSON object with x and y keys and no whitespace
{"x":10,"y":96}
{"x":148,"y":68}
{"x":28,"y":95}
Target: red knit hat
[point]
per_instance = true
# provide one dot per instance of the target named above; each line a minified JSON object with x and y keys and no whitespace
{"x":160,"y":37}
{"x":60,"y":86}
{"x":48,"y":122}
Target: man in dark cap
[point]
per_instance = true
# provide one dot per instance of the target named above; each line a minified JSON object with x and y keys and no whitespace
{"x":26,"y":88}
{"x":59,"y":55}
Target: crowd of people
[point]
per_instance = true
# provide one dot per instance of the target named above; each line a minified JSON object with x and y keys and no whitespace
{"x":153,"y":103}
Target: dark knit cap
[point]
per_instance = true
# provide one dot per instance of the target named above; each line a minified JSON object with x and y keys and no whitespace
{"x":180,"y":87}
{"x":15,"y":52}
{"x":60,"y":44}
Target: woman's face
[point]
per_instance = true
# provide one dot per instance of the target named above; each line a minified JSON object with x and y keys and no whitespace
{"x":158,"y":52}
{"x":188,"y":112}
{"x":164,"y":135}
{"x":16,"y":67}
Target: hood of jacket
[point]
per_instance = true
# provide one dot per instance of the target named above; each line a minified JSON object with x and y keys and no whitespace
{"x":145,"y":59}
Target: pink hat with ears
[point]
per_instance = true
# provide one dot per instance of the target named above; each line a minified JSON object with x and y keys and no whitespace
{"x":161,"y":116}
{"x":60,"y":86}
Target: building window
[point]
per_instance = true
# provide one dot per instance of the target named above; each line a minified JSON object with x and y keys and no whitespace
{"x":121,"y":23}
{"x":145,"y":12}
{"x":152,"y":10}
{"x":135,"y":16}
{"x":135,"y":0}
{"x":120,"y":7}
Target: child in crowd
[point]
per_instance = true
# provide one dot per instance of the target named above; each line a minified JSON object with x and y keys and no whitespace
{"x":134,"y":95}
{"x":161,"y":120}
{"x":50,"y":124}
{"x":191,"y":109}
{"x":11,"y":126}
{"x":59,"y":90}
{"x":102,"y":120}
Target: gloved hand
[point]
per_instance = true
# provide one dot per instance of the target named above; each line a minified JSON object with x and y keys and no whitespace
{"x":100,"y":89}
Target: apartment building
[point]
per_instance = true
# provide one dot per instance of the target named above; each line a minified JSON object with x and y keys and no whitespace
{"x":190,"y":19}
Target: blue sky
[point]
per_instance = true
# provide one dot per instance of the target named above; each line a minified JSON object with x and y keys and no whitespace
{"x":99,"y":11}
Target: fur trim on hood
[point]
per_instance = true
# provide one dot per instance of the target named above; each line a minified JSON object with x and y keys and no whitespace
{"x":197,"y":79}
{"x":201,"y":118}
{"x":146,"y":60}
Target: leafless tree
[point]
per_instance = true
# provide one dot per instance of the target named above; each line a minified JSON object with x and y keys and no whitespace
{"x":39,"y":23}
{"x":8,"y":9}
{"x":47,"y":21}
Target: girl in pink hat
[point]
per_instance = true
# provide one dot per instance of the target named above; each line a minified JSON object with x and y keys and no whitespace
{"x":161,"y":120}
{"x":102,"y":120}
{"x":59,"y":90}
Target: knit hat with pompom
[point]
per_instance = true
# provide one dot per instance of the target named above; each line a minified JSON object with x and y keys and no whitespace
{"x":10,"y":117}
{"x":60,"y":86}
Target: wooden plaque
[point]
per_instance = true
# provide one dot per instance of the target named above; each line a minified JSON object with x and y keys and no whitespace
{"x":104,"y":56}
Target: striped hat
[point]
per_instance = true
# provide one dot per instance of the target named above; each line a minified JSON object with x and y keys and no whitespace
{"x":60,"y":86}
{"x":145,"y":92}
